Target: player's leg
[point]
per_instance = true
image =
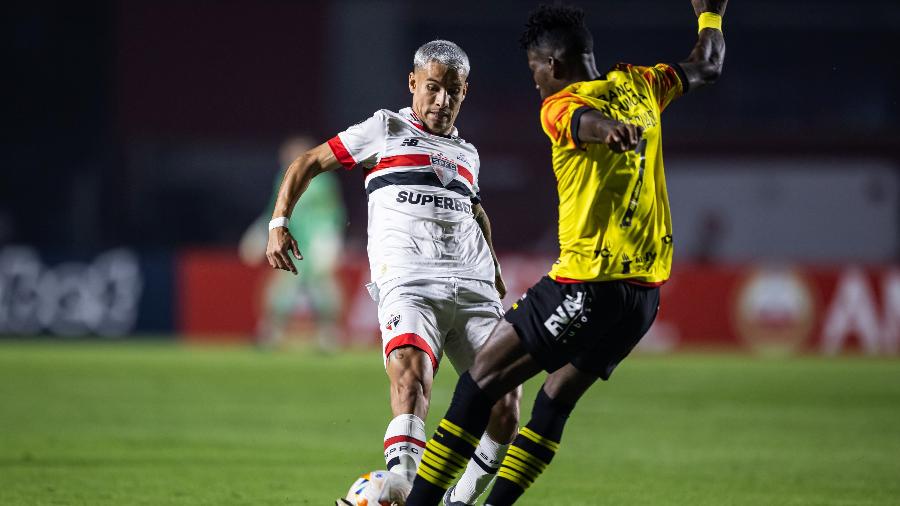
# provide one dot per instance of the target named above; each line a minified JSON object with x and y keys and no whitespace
{"x":620,"y":315}
{"x":410,"y":372}
{"x":537,"y":442}
{"x":490,"y":452}
{"x":501,"y":366}
{"x":478,"y":310}
{"x":504,"y":421}
{"x":280,"y":297}
{"x":321,"y":283}
{"x":324,"y":295}
{"x":542,"y":330}
{"x":412,"y":347}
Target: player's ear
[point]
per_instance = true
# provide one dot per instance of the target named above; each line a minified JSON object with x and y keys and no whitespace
{"x":556,"y":67}
{"x":465,"y":89}
{"x":412,"y":82}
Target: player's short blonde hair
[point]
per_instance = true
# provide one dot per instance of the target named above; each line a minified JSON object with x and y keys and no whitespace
{"x":443,"y":52}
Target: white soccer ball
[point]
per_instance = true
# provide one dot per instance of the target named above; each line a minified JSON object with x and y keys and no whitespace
{"x":379,"y":488}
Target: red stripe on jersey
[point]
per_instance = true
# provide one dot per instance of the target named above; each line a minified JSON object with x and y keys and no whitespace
{"x":417,"y":122}
{"x":341,"y":153}
{"x":645,"y":283}
{"x":569,"y":281}
{"x":400,"y":161}
{"x":411,"y":340}
{"x":417,"y":160}
{"x":464,"y":172}
{"x":403,"y":439}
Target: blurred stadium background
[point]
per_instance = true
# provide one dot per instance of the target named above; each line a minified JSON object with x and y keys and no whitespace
{"x":143,"y":139}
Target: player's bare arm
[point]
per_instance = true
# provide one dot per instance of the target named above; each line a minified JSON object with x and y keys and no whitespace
{"x":704,"y":65}
{"x":296,"y":179}
{"x":594,"y":127}
{"x":481,"y":218}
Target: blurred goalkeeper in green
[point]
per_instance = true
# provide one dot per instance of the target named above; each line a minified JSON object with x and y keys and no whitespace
{"x":315,"y":289}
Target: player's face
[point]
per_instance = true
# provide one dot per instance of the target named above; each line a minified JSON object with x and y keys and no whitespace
{"x":438,"y":92}
{"x":542,"y":72}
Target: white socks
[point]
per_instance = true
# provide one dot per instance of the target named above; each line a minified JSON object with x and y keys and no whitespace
{"x":482,"y":468}
{"x":404,"y":444}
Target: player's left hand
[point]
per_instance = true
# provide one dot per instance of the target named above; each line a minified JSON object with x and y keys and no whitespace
{"x":500,"y":285}
{"x":281,"y":244}
{"x":622,"y":137}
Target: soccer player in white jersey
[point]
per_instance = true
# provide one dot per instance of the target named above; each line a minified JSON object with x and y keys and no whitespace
{"x":434,"y":272}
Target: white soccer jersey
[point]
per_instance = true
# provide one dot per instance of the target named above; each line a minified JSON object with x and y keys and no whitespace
{"x":421,"y":188}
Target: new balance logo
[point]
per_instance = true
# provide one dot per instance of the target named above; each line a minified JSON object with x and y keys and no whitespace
{"x":410,"y":142}
{"x":568,"y":314}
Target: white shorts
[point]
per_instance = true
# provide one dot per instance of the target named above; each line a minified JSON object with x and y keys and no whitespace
{"x":438,"y":315}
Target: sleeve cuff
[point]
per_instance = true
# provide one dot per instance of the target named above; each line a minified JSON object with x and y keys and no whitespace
{"x":341,"y":153}
{"x":576,"y":121}
{"x":685,"y":84}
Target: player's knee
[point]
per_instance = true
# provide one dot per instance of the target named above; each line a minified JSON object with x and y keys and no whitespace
{"x":567,"y":385}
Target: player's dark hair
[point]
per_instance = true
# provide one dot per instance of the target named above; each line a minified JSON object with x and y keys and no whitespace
{"x":558,"y":27}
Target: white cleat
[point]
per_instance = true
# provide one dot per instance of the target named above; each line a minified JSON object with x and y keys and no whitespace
{"x":446,"y":500}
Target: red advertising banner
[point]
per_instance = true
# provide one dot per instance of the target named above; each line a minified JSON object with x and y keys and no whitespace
{"x":781,"y":309}
{"x":767,"y":309}
{"x":218,"y":296}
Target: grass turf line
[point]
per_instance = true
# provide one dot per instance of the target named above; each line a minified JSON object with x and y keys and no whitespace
{"x":161,"y":424}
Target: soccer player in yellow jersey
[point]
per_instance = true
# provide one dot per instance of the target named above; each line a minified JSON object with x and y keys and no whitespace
{"x":615,"y":235}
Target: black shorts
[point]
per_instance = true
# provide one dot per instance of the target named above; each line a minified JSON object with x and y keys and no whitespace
{"x":592,"y":325}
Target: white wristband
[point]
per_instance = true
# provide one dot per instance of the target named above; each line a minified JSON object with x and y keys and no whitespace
{"x":281,"y":221}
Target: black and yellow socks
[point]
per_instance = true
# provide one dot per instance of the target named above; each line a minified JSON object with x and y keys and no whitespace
{"x":454,"y":441}
{"x":531,"y":452}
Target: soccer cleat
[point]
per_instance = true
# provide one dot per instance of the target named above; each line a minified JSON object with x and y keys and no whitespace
{"x":447,"y":502}
{"x":340,"y":501}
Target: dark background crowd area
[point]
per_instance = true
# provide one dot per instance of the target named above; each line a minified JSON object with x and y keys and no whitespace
{"x":155,"y":124}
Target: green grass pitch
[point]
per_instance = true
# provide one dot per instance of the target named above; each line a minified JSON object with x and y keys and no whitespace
{"x":161,"y":424}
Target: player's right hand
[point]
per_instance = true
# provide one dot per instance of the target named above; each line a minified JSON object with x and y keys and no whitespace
{"x":281,"y":243}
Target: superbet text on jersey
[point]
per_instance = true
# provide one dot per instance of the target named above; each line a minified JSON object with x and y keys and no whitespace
{"x":421,"y":188}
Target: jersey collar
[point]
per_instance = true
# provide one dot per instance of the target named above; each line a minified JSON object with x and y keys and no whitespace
{"x":413,"y":118}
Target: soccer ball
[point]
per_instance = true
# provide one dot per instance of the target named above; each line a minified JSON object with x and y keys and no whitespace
{"x":377,"y":488}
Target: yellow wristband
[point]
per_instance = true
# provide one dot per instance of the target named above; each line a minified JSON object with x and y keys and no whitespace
{"x":709,"y":20}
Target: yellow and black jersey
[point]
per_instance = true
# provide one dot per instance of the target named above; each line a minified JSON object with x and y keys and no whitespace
{"x":614,"y":219}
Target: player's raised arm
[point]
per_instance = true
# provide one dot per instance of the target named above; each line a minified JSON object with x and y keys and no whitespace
{"x":704,"y":65}
{"x":296,"y":179}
